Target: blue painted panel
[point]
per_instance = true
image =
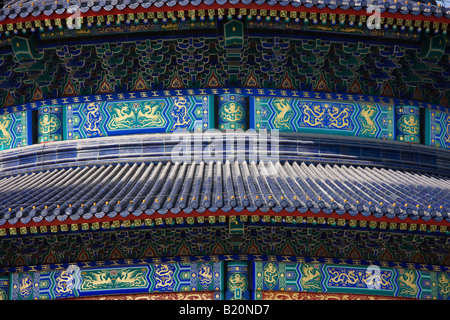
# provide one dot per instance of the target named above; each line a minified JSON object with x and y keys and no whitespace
{"x":166,"y":114}
{"x":363,"y":119}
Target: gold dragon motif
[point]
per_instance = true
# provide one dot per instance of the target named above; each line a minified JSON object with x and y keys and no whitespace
{"x":313,"y":117}
{"x":310,"y":277}
{"x":344,"y":278}
{"x":150,"y":116}
{"x":270,"y":274}
{"x":284,"y":114}
{"x":122,"y":117}
{"x":163,"y":276}
{"x":339,"y":118}
{"x":409,"y":124}
{"x":64,"y":282}
{"x":232,"y":112}
{"x":371,"y":279}
{"x":5,"y":135}
{"x":407,"y":284}
{"x":93,"y":118}
{"x":48,"y":123}
{"x":237,"y":281}
{"x":180,"y":113}
{"x":444,"y":285}
{"x":366,"y":116}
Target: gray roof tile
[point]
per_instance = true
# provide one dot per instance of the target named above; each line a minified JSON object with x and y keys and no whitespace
{"x":137,"y":188}
{"x":23,"y":8}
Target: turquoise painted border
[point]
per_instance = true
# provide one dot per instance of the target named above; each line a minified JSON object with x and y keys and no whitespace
{"x":212,"y":113}
{"x":64,"y":121}
{"x":252,"y":114}
{"x":216,"y":91}
{"x":47,"y":281}
{"x":382,"y":131}
{"x":424,"y":283}
{"x":427,"y":126}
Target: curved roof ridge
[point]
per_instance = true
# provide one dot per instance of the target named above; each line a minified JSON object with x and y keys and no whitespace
{"x":24,"y":8}
{"x":144,"y":189}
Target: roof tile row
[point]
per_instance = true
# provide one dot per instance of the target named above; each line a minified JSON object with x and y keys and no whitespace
{"x":21,"y":8}
{"x":148,"y":187}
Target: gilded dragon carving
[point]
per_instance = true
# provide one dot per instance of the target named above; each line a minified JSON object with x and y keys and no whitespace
{"x":310,"y":277}
{"x":163,"y":277}
{"x":180,"y":113}
{"x":232,"y":112}
{"x":409,"y":124}
{"x":270,"y":275}
{"x":64,"y":283}
{"x":344,"y":278}
{"x":125,"y":116}
{"x":367,"y":119}
{"x":339,"y":118}
{"x":407,"y":285}
{"x":284,"y":114}
{"x":444,"y":285}
{"x":93,"y":118}
{"x":48,"y":123}
{"x":314,"y":116}
{"x":5,"y":135}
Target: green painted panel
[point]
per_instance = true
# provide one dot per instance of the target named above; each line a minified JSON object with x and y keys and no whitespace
{"x":50,"y":126}
{"x":407,"y":124}
{"x":15,"y":130}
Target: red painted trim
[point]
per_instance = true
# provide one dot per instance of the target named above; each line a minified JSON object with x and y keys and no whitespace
{"x":217,"y":213}
{"x":278,"y":7}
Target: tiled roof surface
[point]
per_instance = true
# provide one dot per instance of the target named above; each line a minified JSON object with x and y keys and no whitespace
{"x":24,"y":8}
{"x":142,"y":189}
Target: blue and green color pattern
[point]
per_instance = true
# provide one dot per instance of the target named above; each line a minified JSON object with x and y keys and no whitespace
{"x":231,"y":284}
{"x":232,"y":112}
{"x":50,"y":126}
{"x":407,"y":119}
{"x":437,"y":129}
{"x":363,"y":119}
{"x":15,"y":130}
{"x":151,"y":278}
{"x":4,"y":287}
{"x":315,"y":277}
{"x":237,"y":281}
{"x":165,"y":114}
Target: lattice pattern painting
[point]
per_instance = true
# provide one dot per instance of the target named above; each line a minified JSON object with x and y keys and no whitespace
{"x":437,"y":129}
